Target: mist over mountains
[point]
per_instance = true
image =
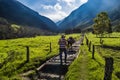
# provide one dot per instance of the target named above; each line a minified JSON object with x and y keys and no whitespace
{"x":83,"y":16}
{"x":17,"y":13}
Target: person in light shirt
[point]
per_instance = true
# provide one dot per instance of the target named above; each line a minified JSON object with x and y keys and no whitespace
{"x":62,"y":48}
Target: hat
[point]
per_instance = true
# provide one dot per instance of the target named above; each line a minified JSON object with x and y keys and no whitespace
{"x":63,"y":36}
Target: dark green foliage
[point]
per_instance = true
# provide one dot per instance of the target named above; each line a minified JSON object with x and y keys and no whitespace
{"x":116,"y":28}
{"x":5,"y":29}
{"x":8,"y":31}
{"x":102,"y":23}
{"x":75,"y":30}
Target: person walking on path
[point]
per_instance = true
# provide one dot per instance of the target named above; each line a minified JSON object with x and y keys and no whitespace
{"x":62,"y":48}
{"x":70,"y":40}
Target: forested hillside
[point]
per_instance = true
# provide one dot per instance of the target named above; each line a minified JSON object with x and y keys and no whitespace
{"x":8,"y":31}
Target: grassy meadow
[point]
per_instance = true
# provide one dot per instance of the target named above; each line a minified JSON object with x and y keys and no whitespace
{"x":111,"y":48}
{"x":86,"y":68}
{"x":13,"y":54}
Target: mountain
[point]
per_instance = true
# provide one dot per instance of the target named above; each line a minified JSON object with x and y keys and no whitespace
{"x":15,"y":12}
{"x":57,"y":23}
{"x":84,"y":15}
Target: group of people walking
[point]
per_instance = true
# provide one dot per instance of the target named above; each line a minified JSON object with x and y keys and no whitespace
{"x":64,"y":44}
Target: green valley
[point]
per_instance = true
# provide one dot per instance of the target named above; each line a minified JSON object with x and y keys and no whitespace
{"x":13,"y":54}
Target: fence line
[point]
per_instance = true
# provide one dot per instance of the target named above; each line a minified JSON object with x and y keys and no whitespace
{"x":108,"y":61}
{"x":28,"y":49}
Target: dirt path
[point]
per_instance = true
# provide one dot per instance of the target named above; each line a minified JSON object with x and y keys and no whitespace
{"x":52,"y":70}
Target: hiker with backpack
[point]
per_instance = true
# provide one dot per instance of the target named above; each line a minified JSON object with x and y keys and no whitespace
{"x":62,"y":48}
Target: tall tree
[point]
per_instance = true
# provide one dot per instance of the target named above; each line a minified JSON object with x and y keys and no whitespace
{"x":102,"y":24}
{"x":5,"y":29}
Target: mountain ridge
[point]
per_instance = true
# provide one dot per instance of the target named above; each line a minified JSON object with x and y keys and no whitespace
{"x":83,"y":16}
{"x":16,"y":12}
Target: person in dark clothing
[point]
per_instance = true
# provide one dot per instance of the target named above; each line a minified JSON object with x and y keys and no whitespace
{"x":70,"y":40}
{"x":62,"y":47}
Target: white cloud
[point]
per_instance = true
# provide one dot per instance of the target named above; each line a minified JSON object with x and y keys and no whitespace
{"x":56,"y":16}
{"x":47,"y":7}
{"x":68,"y":1}
{"x":83,"y":1}
{"x":59,"y":11}
{"x":57,"y":6}
{"x":56,"y":10}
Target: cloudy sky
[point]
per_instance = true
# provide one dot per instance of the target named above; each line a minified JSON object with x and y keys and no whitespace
{"x":54,"y":9}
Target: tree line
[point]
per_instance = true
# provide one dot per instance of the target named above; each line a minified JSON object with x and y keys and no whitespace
{"x":8,"y":30}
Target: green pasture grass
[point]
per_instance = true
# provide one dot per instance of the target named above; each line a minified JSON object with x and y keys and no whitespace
{"x":113,"y":40}
{"x":13,"y":53}
{"x":115,"y":54}
{"x":114,"y":51}
{"x":86,"y":68}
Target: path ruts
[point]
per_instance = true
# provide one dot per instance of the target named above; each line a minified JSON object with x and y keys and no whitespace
{"x":52,"y":70}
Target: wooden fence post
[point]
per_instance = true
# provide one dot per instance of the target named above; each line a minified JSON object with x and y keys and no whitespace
{"x":82,"y":40}
{"x":108,"y":68}
{"x":27,"y":55}
{"x":86,"y":41}
{"x":50,"y":47}
{"x":93,"y":51}
{"x":90,"y":46}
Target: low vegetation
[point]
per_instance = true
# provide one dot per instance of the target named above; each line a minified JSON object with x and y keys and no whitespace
{"x":86,"y":68}
{"x":111,"y":48}
{"x":13,"y":54}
